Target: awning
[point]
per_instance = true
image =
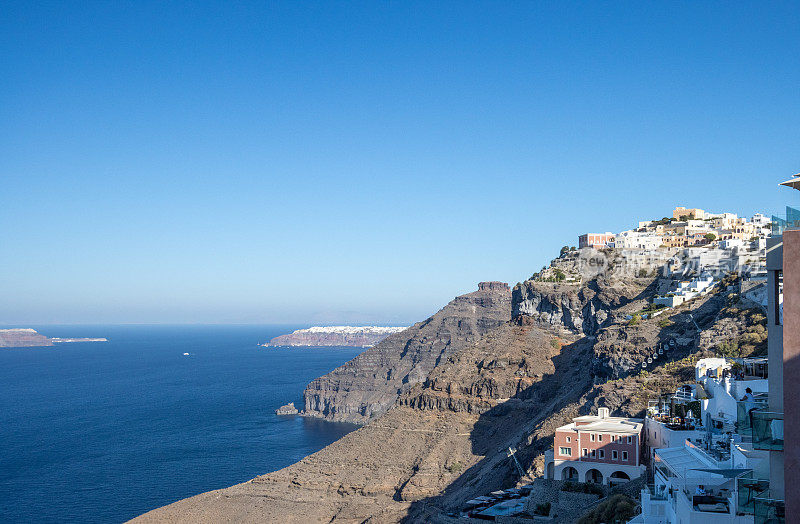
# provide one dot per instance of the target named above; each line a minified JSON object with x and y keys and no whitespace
{"x":727,"y":473}
{"x":794,"y":182}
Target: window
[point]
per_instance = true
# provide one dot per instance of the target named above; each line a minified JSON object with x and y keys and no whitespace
{"x":614,"y":455}
{"x":591,"y":437}
{"x":613,"y":438}
{"x":594,"y":453}
{"x":600,"y":437}
{"x":624,"y":455}
{"x":565,"y":451}
{"x":601,"y":453}
{"x":585,"y":452}
{"x":630,"y":440}
{"x":569,"y":439}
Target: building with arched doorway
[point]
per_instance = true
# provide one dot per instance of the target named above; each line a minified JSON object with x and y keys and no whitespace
{"x":597,"y":448}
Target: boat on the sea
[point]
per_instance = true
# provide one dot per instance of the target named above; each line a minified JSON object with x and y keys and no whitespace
{"x":186,"y":354}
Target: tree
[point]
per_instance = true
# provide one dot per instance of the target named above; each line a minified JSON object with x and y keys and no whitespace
{"x":635,"y":319}
{"x":560,"y":276}
{"x":710,"y":237}
{"x":564,"y":250}
{"x":728,"y":349}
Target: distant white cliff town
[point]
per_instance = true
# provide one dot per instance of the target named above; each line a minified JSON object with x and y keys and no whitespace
{"x":348,"y":336}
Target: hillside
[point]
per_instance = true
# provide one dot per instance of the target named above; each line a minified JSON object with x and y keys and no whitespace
{"x":371,"y":383}
{"x":568,"y":350}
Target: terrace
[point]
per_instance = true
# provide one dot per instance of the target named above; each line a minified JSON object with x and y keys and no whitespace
{"x":656,"y":492}
{"x":748,"y":489}
{"x":497,"y":503}
{"x":743,"y":414}
{"x":781,"y":223}
{"x":767,"y":430}
{"x":767,"y":510}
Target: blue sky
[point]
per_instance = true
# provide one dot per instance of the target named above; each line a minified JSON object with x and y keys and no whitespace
{"x":327,"y":162}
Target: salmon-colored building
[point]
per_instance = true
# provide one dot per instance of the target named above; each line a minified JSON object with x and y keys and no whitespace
{"x":596,"y":240}
{"x":597,"y":448}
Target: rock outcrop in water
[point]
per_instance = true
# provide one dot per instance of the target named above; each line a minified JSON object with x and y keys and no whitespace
{"x":287,"y":409}
{"x":372,"y":382}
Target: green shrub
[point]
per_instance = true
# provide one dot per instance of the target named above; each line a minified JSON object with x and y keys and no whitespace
{"x":582,"y":487}
{"x":455,"y":467}
{"x":617,"y":508}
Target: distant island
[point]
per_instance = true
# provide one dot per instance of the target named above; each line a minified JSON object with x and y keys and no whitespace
{"x":27,"y":338}
{"x":349,"y":336}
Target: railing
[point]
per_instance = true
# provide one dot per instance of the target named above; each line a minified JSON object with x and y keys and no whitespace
{"x":743,"y":410}
{"x":781,"y":224}
{"x":767,"y":430}
{"x":768,"y":510}
{"x":685,"y":396}
{"x":656,"y":493}
{"x":664,"y":470}
{"x":708,"y":503}
{"x":748,"y":489}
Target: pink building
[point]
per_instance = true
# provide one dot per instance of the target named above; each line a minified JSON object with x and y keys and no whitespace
{"x":597,"y":448}
{"x":596,"y":240}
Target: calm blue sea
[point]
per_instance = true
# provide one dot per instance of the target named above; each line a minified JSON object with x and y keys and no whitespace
{"x":102,"y":432}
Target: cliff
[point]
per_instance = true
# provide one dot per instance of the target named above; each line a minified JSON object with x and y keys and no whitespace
{"x":568,"y":350}
{"x":335,"y":336}
{"x":20,"y":338}
{"x":370,"y":384}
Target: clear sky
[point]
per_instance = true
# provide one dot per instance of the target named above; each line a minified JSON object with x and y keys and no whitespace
{"x":332,"y":162}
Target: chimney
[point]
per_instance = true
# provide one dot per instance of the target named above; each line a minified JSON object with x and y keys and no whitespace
{"x":602,"y":412}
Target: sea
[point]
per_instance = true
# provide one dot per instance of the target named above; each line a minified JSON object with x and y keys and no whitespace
{"x":105,"y":431}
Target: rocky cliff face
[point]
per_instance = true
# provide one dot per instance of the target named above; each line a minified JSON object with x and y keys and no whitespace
{"x":444,"y":439}
{"x":370,"y":384}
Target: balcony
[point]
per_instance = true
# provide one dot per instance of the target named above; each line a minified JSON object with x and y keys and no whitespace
{"x":767,"y":430}
{"x":790,"y":221}
{"x":717,"y":502}
{"x":748,"y":489}
{"x":768,"y":510}
{"x":743,"y":415}
{"x":656,"y":492}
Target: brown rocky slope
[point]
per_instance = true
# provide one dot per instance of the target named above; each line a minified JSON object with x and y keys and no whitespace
{"x":372,"y":382}
{"x":445,"y":438}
